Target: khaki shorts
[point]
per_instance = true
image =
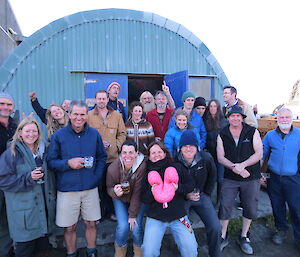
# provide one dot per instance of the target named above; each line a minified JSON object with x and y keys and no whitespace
{"x":71,"y":204}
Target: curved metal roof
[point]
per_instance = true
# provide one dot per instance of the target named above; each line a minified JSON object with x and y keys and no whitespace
{"x":108,"y":41}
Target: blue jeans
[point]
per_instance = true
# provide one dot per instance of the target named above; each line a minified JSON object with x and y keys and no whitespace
{"x":206,"y":211}
{"x":155,"y":230}
{"x":282,"y":190}
{"x":122,"y":230}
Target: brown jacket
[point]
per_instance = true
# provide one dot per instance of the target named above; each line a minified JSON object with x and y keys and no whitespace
{"x":116,"y":174}
{"x":111,"y":129}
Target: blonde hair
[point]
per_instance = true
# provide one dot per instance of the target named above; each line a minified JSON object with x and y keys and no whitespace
{"x":53,"y":124}
{"x":17,"y":136}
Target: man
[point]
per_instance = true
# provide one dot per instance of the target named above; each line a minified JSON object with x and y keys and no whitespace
{"x":229,"y":95}
{"x":160,"y":116}
{"x":7,"y":130}
{"x":281,"y":149}
{"x":111,"y":127}
{"x":188,"y":99}
{"x":77,"y":155}
{"x":113,"y":91}
{"x":147,"y":100}
{"x":40,"y":111}
{"x":200,"y":166}
{"x":200,"y":105}
{"x":239,"y":149}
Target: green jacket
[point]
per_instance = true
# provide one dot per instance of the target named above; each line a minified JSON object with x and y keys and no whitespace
{"x":26,"y":202}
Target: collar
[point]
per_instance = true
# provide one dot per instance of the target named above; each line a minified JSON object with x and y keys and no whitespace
{"x":281,"y":133}
{"x":109,"y":109}
{"x":227,"y":104}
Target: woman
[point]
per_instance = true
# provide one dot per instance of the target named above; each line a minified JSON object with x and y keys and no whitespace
{"x":174,"y":216}
{"x":124,"y":182}
{"x":173,"y":134}
{"x":56,"y":118}
{"x":214,"y":121}
{"x":138,"y":129}
{"x":30,"y":219}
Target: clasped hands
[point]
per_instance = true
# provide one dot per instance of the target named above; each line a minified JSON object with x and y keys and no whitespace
{"x":239,"y":168}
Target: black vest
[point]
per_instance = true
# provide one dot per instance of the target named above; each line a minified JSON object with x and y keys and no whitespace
{"x":241,"y":152}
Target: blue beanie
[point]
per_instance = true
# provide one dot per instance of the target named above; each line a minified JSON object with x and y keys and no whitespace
{"x":188,"y":137}
{"x":187,"y":94}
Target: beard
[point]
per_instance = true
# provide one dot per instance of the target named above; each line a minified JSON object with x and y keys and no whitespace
{"x":285,"y":125}
{"x":149,"y":107}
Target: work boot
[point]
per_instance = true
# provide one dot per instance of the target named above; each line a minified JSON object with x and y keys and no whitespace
{"x":137,"y":250}
{"x":224,"y":242}
{"x":279,"y":237}
{"x":91,"y":252}
{"x":244,"y":243}
{"x":120,"y":251}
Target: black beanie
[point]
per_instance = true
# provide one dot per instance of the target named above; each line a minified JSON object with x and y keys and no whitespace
{"x":199,"y":101}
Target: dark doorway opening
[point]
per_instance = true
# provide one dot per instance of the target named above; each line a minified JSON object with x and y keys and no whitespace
{"x":138,"y":84}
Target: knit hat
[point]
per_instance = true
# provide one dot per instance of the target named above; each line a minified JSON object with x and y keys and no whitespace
{"x":112,"y":84}
{"x":235,"y":109}
{"x":7,"y":96}
{"x":187,"y":94}
{"x":200,"y":101}
{"x":188,"y":137}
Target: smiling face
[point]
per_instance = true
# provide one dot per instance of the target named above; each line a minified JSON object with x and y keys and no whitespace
{"x":101,"y":100}
{"x":156,"y":153}
{"x":213,"y":108}
{"x":6,"y":107}
{"x":78,"y":117}
{"x":56,"y":112}
{"x":189,"y":103}
{"x":284,"y":119}
{"x":181,"y":121}
{"x":137,"y":113}
{"x":128,"y":156}
{"x":228,"y":96}
{"x":189,"y":152}
{"x":235,"y":119}
{"x":161,"y":101}
{"x":29,"y":134}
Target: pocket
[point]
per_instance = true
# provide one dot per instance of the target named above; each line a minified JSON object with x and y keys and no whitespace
{"x":31,"y":220}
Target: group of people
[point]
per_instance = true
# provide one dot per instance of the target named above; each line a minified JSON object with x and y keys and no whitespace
{"x":160,"y":163}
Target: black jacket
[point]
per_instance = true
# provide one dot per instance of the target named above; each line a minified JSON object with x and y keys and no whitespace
{"x":202,"y":170}
{"x":176,"y":208}
{"x":6,"y":134}
{"x":241,"y":152}
{"x":40,"y":111}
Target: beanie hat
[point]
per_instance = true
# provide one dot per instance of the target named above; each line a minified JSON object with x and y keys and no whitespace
{"x":7,"y":96}
{"x":187,"y":94}
{"x":200,"y":101}
{"x":112,"y":84}
{"x":188,"y":137}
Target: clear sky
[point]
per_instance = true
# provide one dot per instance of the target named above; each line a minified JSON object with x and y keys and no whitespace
{"x":257,"y":42}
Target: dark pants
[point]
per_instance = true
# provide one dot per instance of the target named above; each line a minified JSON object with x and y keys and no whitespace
{"x":282,"y":190}
{"x":27,"y":249}
{"x":5,"y":240}
{"x":106,"y":205}
{"x":206,"y":211}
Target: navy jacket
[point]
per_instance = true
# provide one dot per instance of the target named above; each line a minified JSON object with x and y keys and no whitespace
{"x":119,"y":107}
{"x":67,"y":144}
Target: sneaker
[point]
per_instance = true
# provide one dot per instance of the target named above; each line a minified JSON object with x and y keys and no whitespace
{"x":92,"y":254}
{"x":279,"y":237}
{"x":224,"y":242}
{"x":244,"y":243}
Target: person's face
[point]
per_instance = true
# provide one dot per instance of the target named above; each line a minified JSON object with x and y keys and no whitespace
{"x":137,"y":112}
{"x":128,"y":155}
{"x":161,"y":101}
{"x":78,"y":117}
{"x":200,"y":110}
{"x":189,"y":103}
{"x":66,"y":105}
{"x":235,"y":119}
{"x":188,"y":152}
{"x":156,"y":153}
{"x":181,"y":121}
{"x":29,"y":134}
{"x":114,"y":91}
{"x":101,"y":100}
{"x":56,"y":113}
{"x":227,"y":95}
{"x":284,"y":120}
{"x":213,"y":108}
{"x":146,"y":99}
{"x":6,"y":107}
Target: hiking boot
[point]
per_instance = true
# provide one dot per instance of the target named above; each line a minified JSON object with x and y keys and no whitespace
{"x":224,"y":242}
{"x":279,"y":237}
{"x":244,"y":243}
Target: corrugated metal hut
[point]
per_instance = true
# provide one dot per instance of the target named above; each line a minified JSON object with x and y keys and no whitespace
{"x":77,"y":54}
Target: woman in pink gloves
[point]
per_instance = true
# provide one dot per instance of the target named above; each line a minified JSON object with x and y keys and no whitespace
{"x":172,"y":214}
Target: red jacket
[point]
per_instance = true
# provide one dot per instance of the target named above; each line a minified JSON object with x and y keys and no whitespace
{"x":159,"y":128}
